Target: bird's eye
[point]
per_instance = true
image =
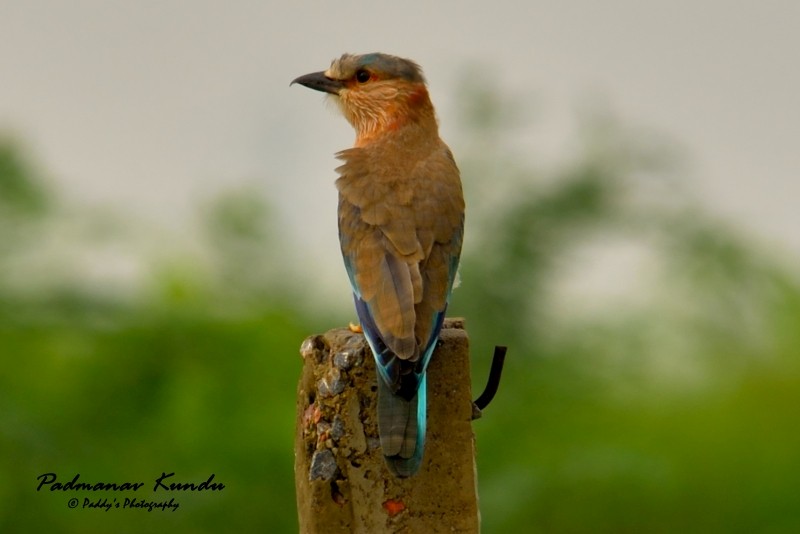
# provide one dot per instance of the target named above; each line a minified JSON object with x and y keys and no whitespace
{"x":362,"y":76}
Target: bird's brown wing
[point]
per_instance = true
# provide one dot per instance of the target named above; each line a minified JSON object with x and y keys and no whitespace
{"x":400,"y":232}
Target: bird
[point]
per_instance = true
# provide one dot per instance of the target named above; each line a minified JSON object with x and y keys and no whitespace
{"x":401,"y":226}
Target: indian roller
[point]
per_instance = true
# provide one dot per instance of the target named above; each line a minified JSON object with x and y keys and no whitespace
{"x":401,"y":223}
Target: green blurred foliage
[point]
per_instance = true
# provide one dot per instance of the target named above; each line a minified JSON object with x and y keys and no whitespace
{"x":21,"y":193}
{"x":673,"y":412}
{"x":670,"y":413}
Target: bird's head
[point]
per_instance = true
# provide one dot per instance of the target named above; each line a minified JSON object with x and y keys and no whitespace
{"x":377,"y":93}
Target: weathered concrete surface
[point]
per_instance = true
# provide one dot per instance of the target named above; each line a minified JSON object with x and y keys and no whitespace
{"x":341,"y":480}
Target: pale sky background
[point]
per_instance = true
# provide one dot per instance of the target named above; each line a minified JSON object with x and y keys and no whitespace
{"x":151,"y":106}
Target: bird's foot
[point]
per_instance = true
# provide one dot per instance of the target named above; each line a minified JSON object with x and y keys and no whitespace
{"x":356,"y":328}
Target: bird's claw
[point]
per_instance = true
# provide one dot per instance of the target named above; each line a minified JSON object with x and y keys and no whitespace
{"x":356,"y":328}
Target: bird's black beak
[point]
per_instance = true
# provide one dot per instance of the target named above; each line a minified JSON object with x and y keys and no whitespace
{"x":319,"y":82}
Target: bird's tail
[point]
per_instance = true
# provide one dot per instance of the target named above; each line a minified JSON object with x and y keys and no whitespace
{"x":401,"y":426}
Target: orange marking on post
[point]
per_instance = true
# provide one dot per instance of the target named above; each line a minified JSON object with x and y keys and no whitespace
{"x":393,"y":507}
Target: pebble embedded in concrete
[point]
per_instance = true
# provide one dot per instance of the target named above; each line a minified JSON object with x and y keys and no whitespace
{"x":331,"y":384}
{"x":351,"y":355}
{"x":323,"y":466}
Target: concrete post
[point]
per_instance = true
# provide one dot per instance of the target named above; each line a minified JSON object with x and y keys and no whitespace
{"x":341,"y":481}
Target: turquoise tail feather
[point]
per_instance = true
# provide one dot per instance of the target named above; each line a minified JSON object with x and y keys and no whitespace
{"x":402,"y":396}
{"x":401,"y":426}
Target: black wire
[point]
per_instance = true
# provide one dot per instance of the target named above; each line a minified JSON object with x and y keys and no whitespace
{"x":493,"y":382}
